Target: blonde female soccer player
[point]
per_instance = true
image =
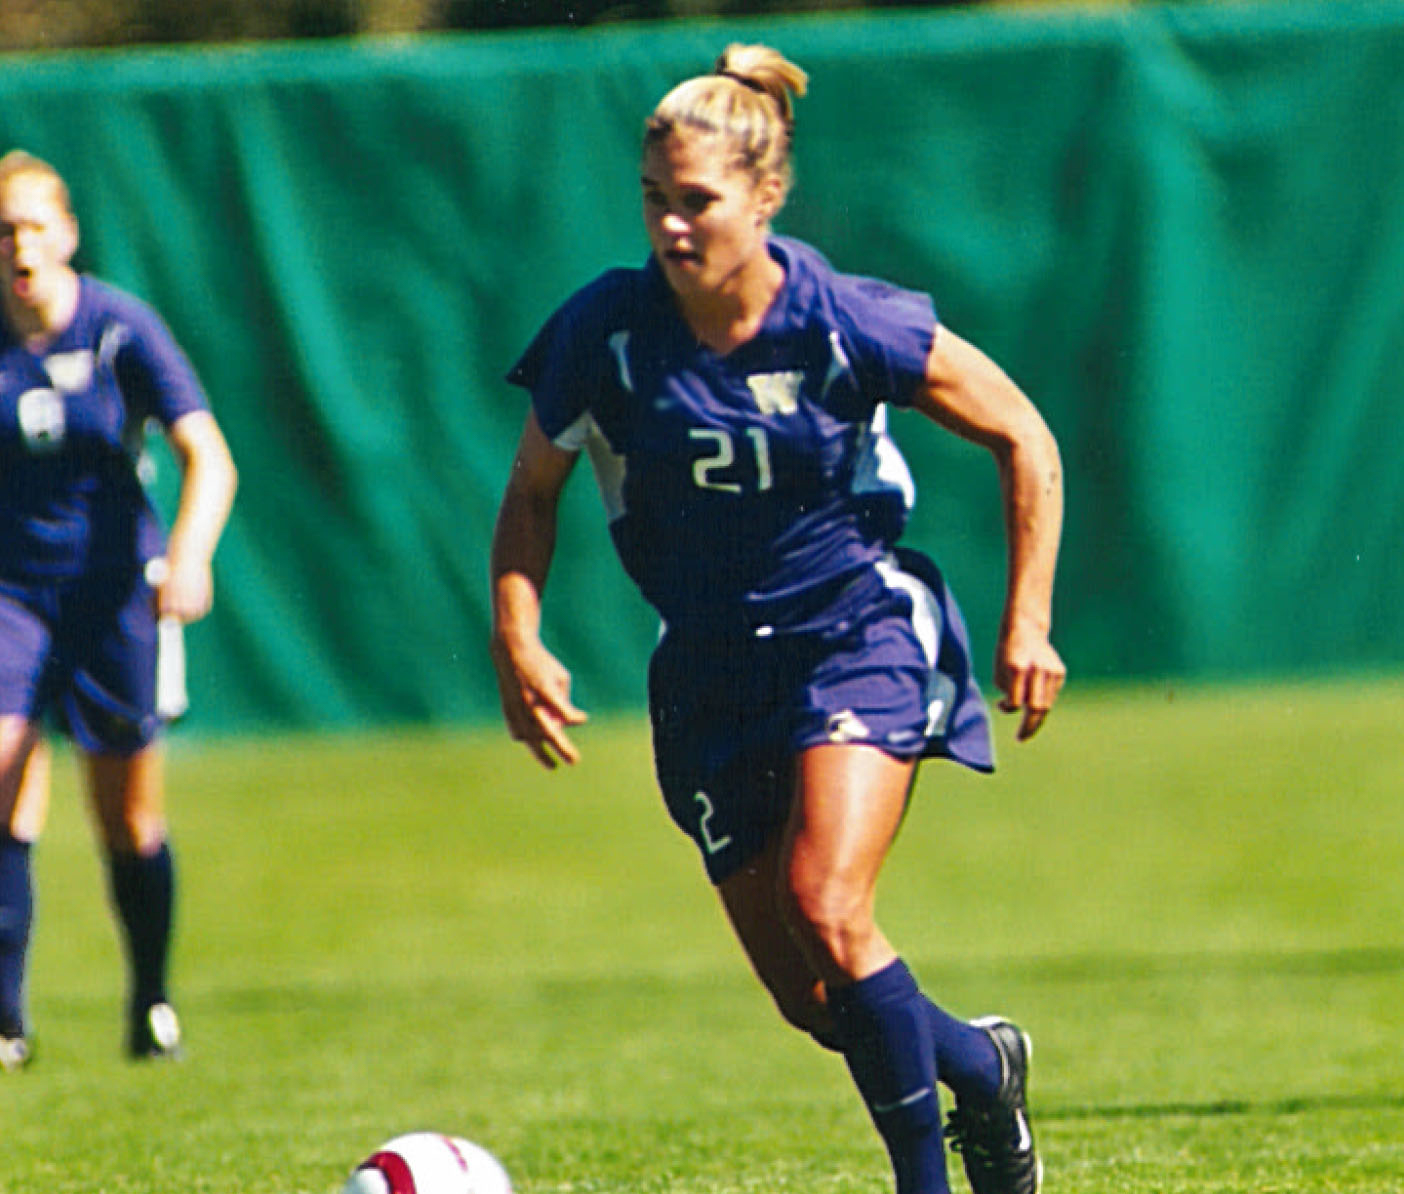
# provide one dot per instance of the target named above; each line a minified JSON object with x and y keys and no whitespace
{"x":85,"y":577}
{"x":732,"y":395}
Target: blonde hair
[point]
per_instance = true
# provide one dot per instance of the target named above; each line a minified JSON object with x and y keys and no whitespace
{"x":748,"y":100}
{"x":19,"y":164}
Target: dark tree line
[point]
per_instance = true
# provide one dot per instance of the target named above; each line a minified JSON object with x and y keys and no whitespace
{"x":59,"y":24}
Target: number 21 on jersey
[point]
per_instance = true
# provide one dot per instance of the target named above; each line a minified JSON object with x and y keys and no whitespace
{"x":717,"y":468}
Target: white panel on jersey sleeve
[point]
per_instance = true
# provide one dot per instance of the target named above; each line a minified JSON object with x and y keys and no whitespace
{"x":585,"y":435}
{"x":838,"y":364}
{"x":881,"y":467}
{"x":577,"y":435}
{"x":619,"y":345}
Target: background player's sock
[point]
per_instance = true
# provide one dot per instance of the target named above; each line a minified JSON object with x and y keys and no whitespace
{"x":16,"y":921}
{"x":885,"y":1029}
{"x":143,"y":891}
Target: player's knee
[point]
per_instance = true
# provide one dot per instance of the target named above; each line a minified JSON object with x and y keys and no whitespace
{"x":145,"y":834}
{"x":129,"y":825}
{"x":802,"y":1010}
{"x":828,"y":912}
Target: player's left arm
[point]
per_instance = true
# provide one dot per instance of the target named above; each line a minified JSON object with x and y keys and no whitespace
{"x":967,"y":393}
{"x":208,"y":482}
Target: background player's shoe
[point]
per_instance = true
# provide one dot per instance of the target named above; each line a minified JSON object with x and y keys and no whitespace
{"x":155,"y":1033}
{"x":14,"y":1053}
{"x":993,"y":1137}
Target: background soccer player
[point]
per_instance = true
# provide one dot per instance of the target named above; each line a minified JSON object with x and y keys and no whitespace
{"x":84,"y":576}
{"x":732,"y":395}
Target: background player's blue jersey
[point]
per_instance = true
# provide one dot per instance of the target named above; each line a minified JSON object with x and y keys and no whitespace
{"x":748,"y":490}
{"x":72,"y":419}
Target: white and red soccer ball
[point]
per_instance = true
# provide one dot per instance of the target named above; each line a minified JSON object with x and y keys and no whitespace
{"x":429,"y":1163}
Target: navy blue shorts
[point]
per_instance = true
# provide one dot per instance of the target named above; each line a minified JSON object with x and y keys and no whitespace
{"x":85,"y":652}
{"x":731,"y":712}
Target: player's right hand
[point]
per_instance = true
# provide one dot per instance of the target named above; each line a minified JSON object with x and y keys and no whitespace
{"x":534,"y":688}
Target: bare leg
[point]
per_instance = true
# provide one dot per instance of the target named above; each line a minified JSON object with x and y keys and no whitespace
{"x":848,"y":807}
{"x":752,"y":901}
{"x":129,"y":800}
{"x":849,"y":804}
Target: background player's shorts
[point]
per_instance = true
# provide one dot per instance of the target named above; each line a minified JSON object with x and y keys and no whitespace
{"x":731,"y":712}
{"x":85,"y":652}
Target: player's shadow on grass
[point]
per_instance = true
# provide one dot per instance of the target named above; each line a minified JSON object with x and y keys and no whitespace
{"x":1356,"y":960}
{"x":1216,"y":1108}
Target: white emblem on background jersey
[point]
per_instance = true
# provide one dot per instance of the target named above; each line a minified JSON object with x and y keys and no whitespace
{"x":43,"y":419}
{"x":70,"y":371}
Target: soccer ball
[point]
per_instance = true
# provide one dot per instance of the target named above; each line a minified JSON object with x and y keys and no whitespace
{"x":429,"y":1163}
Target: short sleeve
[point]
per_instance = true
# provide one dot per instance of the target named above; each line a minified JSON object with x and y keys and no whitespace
{"x":156,"y":376}
{"x":890,"y":331}
{"x":566,"y":366}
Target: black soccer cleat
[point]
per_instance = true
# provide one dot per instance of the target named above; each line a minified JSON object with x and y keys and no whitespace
{"x":993,"y":1137}
{"x":154,"y":1034}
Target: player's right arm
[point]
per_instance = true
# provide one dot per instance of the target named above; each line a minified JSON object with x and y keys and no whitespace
{"x":533,"y":685}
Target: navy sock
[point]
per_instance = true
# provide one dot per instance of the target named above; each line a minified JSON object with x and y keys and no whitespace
{"x":883,"y":1023}
{"x":143,"y":890}
{"x":16,"y":921}
{"x":966,"y":1058}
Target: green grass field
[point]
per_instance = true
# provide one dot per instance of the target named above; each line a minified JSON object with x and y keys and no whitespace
{"x":1191,"y":898}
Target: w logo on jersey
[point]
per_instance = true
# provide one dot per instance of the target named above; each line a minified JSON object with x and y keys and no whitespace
{"x":776,"y":393}
{"x":70,"y":371}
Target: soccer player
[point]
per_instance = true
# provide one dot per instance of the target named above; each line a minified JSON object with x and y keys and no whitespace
{"x":732,"y":395}
{"x":85,"y":577}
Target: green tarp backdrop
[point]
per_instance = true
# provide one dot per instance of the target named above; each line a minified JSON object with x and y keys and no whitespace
{"x":1180,"y":229}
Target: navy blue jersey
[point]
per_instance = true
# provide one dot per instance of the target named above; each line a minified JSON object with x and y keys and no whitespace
{"x":72,"y":421}
{"x":748,"y":489}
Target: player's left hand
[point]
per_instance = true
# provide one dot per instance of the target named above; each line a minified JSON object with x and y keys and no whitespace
{"x":185,"y":590}
{"x":1030,"y":673}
